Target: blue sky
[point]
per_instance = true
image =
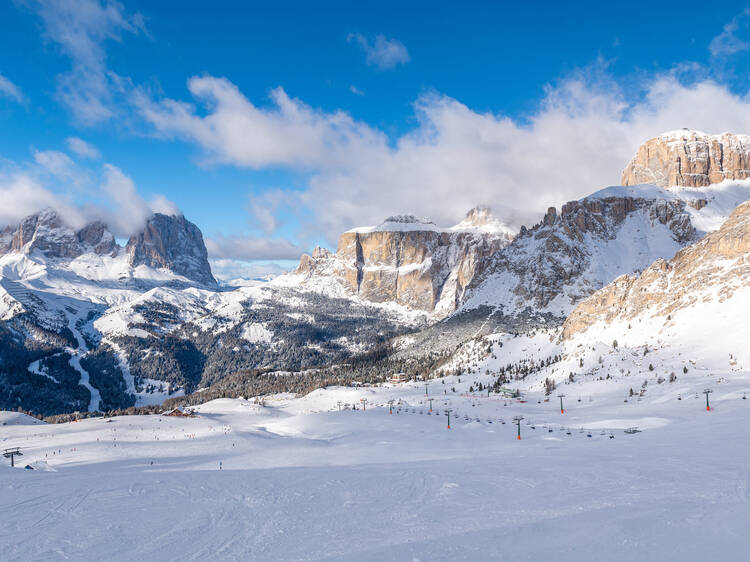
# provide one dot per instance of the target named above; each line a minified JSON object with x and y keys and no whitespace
{"x":275,"y":127}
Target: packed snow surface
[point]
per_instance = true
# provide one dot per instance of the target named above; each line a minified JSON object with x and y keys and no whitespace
{"x":297,"y":479}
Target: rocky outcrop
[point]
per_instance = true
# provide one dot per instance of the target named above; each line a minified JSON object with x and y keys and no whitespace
{"x":689,"y":158}
{"x":47,"y":233}
{"x":169,"y":242}
{"x":173,"y":243}
{"x":96,"y":237}
{"x":712,"y":268}
{"x":6,"y":240}
{"x":410,"y":261}
{"x":576,"y":251}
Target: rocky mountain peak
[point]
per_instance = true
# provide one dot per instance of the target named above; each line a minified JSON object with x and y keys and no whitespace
{"x":689,"y":158}
{"x":174,"y":243}
{"x":319,"y":252}
{"x":481,"y":219}
{"x":478,"y":216}
{"x":48,"y":233}
{"x":97,"y":238}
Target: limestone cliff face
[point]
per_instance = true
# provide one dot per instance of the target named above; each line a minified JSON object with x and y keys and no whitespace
{"x":410,"y":261}
{"x":174,"y":243}
{"x":712,"y":268}
{"x":689,"y":158}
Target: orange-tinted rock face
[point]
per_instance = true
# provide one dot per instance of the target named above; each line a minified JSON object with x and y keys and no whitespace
{"x":689,"y":158}
{"x":409,"y":262}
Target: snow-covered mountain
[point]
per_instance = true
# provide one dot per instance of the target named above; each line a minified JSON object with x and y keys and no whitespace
{"x":570,"y":254}
{"x":406,"y":260}
{"x":56,"y":280}
{"x":697,"y":300}
{"x":88,"y":324}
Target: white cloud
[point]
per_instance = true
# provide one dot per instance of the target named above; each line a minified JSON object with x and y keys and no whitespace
{"x":115,"y":200}
{"x":384,"y":53}
{"x":9,"y":90}
{"x":80,"y":28}
{"x":61,"y":167}
{"x":232,"y":270}
{"x":582,"y":135}
{"x":251,"y":248}
{"x":127,"y":211}
{"x":22,"y":196}
{"x":235,"y":131}
{"x":356,"y":91}
{"x":729,"y":42}
{"x":82,"y":148}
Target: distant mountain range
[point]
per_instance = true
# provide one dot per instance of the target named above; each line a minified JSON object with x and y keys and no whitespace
{"x":87,"y":324}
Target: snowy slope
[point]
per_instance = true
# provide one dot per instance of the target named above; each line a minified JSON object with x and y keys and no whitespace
{"x":300,"y":480}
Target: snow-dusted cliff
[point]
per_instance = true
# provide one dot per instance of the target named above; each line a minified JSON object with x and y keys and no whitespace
{"x":406,"y":260}
{"x":689,"y":158}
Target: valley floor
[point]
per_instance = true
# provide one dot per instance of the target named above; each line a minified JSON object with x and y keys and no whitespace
{"x":300,"y":480}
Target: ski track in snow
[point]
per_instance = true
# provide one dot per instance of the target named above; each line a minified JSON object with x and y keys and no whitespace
{"x":76,"y":354}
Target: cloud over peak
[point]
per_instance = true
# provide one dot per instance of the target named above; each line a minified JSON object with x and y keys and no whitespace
{"x":578,"y":140}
